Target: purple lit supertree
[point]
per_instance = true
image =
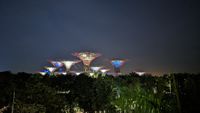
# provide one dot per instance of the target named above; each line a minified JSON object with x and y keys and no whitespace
{"x":87,"y":58}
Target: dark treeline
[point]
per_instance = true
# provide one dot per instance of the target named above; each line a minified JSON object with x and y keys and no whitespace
{"x":32,"y":93}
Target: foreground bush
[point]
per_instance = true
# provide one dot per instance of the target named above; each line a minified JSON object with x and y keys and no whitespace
{"x":128,"y":93}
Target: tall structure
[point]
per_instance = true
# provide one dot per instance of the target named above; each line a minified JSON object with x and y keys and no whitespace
{"x":42,"y":73}
{"x":140,"y":73}
{"x":58,"y":65}
{"x":96,"y":68}
{"x":51,"y":70}
{"x":78,"y":73}
{"x":87,"y":58}
{"x":104,"y":70}
{"x":117,"y":63}
{"x":68,"y":64}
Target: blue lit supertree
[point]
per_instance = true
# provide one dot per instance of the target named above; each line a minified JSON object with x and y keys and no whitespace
{"x":45,"y":72}
{"x":50,"y":70}
{"x":117,"y":63}
{"x":58,"y":65}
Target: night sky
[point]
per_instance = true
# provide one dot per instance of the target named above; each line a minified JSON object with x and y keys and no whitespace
{"x":157,"y":36}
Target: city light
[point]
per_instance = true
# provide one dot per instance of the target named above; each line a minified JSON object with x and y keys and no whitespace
{"x":87,"y":58}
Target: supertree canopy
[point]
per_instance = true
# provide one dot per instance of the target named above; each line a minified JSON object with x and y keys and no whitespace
{"x":78,"y":73}
{"x":140,"y":73}
{"x":56,"y":64}
{"x":96,"y":68}
{"x":51,"y":69}
{"x":87,"y":58}
{"x":117,"y":63}
{"x":68,"y":64}
{"x":42,"y":73}
{"x":104,"y":70}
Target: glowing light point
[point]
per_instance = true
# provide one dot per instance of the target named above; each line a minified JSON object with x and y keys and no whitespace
{"x":87,"y":58}
{"x":69,"y":64}
{"x":117,"y":64}
{"x":96,"y":69}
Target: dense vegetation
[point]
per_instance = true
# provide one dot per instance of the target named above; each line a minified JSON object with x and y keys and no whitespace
{"x":32,"y":93}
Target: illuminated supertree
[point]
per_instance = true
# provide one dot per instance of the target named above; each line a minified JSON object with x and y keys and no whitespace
{"x":140,"y":73}
{"x":78,"y":73}
{"x":60,"y":73}
{"x":51,"y":70}
{"x":104,"y":71}
{"x":68,"y":64}
{"x":87,"y":58}
{"x":117,"y":63}
{"x":91,"y":74}
{"x":42,"y":73}
{"x":96,"y":68}
{"x":58,"y":65}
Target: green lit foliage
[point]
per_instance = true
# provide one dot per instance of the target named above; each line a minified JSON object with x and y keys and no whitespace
{"x":134,"y":98}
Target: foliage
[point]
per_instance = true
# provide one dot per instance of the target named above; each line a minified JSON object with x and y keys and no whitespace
{"x":128,"y":94}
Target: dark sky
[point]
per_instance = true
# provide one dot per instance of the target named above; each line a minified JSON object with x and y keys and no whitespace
{"x":157,"y":36}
